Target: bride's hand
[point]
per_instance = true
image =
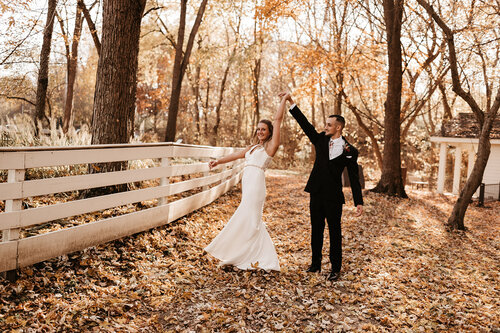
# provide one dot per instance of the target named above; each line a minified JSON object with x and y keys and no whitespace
{"x":285,"y":96}
{"x":213,"y":164}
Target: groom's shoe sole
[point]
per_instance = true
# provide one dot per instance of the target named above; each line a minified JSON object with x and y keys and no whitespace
{"x":313,"y":269}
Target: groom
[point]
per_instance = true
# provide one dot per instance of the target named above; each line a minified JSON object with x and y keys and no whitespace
{"x":333,"y":154}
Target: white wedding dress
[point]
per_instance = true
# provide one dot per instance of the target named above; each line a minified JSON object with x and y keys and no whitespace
{"x":244,"y":242}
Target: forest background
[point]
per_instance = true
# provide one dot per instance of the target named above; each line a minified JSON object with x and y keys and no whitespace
{"x":331,"y":54}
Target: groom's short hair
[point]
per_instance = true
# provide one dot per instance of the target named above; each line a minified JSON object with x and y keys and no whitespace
{"x":338,"y":118}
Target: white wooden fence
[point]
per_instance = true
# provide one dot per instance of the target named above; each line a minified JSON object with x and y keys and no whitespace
{"x":173,"y":160}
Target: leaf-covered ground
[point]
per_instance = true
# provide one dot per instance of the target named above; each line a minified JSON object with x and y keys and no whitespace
{"x":402,"y":272}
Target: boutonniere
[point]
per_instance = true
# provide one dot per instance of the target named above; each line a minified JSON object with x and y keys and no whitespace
{"x":347,"y":148}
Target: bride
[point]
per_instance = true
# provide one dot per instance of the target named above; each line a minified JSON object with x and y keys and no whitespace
{"x":244,"y":242}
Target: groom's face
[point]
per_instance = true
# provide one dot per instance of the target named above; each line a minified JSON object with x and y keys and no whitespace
{"x":332,"y":127}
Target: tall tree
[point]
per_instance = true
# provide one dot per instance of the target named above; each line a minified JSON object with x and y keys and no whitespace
{"x":114,"y":97}
{"x":222,"y":88}
{"x":71,"y":48}
{"x":43,"y":72}
{"x":194,"y":80}
{"x":485,"y":118}
{"x":181,"y":61}
{"x":255,"y":68}
{"x":391,"y":181}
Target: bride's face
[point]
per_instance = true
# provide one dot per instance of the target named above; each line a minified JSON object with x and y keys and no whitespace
{"x":262,"y":132}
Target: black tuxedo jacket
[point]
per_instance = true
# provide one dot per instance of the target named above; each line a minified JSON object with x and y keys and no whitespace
{"x":326,"y":175}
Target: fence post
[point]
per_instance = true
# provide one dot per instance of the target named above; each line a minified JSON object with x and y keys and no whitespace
{"x":228,"y":166}
{"x":206,"y":173}
{"x":164,"y":181}
{"x":481,"y":195}
{"x":12,"y":205}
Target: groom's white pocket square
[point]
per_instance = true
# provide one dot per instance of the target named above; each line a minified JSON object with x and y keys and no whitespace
{"x":348,"y":156}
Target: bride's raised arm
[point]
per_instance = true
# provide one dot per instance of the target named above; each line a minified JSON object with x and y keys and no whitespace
{"x":274,"y":143}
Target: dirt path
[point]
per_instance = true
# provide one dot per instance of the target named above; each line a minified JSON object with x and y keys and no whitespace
{"x":402,"y":272}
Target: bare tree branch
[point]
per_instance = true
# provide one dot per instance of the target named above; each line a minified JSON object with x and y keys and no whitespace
{"x":151,"y":10}
{"x":18,"y":98}
{"x":20,"y":43}
{"x":457,"y":86}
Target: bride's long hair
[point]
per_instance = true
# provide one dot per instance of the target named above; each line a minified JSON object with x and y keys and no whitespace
{"x":269,"y":124}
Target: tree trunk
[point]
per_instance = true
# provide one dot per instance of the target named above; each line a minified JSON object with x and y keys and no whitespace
{"x":175,"y":94}
{"x":115,"y":91}
{"x":240,"y":108}
{"x":391,"y":181}
{"x":313,"y":109}
{"x":255,"y":92}
{"x":43,"y":73}
{"x":72,"y":68}
{"x":446,"y":106}
{"x":322,"y":101}
{"x":219,"y":103}
{"x":181,"y":61}
{"x":456,"y":219}
{"x":258,"y":41}
{"x":207,"y":104}
{"x":196,"y":93}
{"x":223,"y":87}
{"x":337,"y":106}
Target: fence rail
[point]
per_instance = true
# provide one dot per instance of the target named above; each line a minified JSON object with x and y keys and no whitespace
{"x":167,"y":160}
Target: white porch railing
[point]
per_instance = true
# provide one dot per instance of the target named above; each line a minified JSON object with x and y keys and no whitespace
{"x":171,"y":160}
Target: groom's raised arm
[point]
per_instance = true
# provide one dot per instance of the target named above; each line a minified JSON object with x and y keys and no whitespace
{"x":306,"y":126}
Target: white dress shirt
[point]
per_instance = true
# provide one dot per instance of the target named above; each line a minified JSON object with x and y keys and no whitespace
{"x":336,"y":147}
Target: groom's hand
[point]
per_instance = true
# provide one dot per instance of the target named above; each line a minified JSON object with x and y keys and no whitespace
{"x":286,"y":96}
{"x":359,"y":210}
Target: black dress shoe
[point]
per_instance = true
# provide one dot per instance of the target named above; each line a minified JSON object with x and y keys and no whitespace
{"x":314,"y":269}
{"x":334,"y":276}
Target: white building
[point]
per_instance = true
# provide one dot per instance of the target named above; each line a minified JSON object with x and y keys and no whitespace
{"x":461,"y":133}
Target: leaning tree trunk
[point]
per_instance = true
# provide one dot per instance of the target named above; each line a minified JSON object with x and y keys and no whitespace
{"x":391,"y":181}
{"x":72,"y":67}
{"x":456,"y":219}
{"x":91,"y":25}
{"x":114,"y":97}
{"x":43,"y":73}
{"x":173,"y":108}
{"x":181,"y":61}
{"x":215,"y":134}
{"x":215,"y":138}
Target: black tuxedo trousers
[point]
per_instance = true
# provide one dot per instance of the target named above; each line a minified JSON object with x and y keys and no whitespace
{"x":322,"y":209}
